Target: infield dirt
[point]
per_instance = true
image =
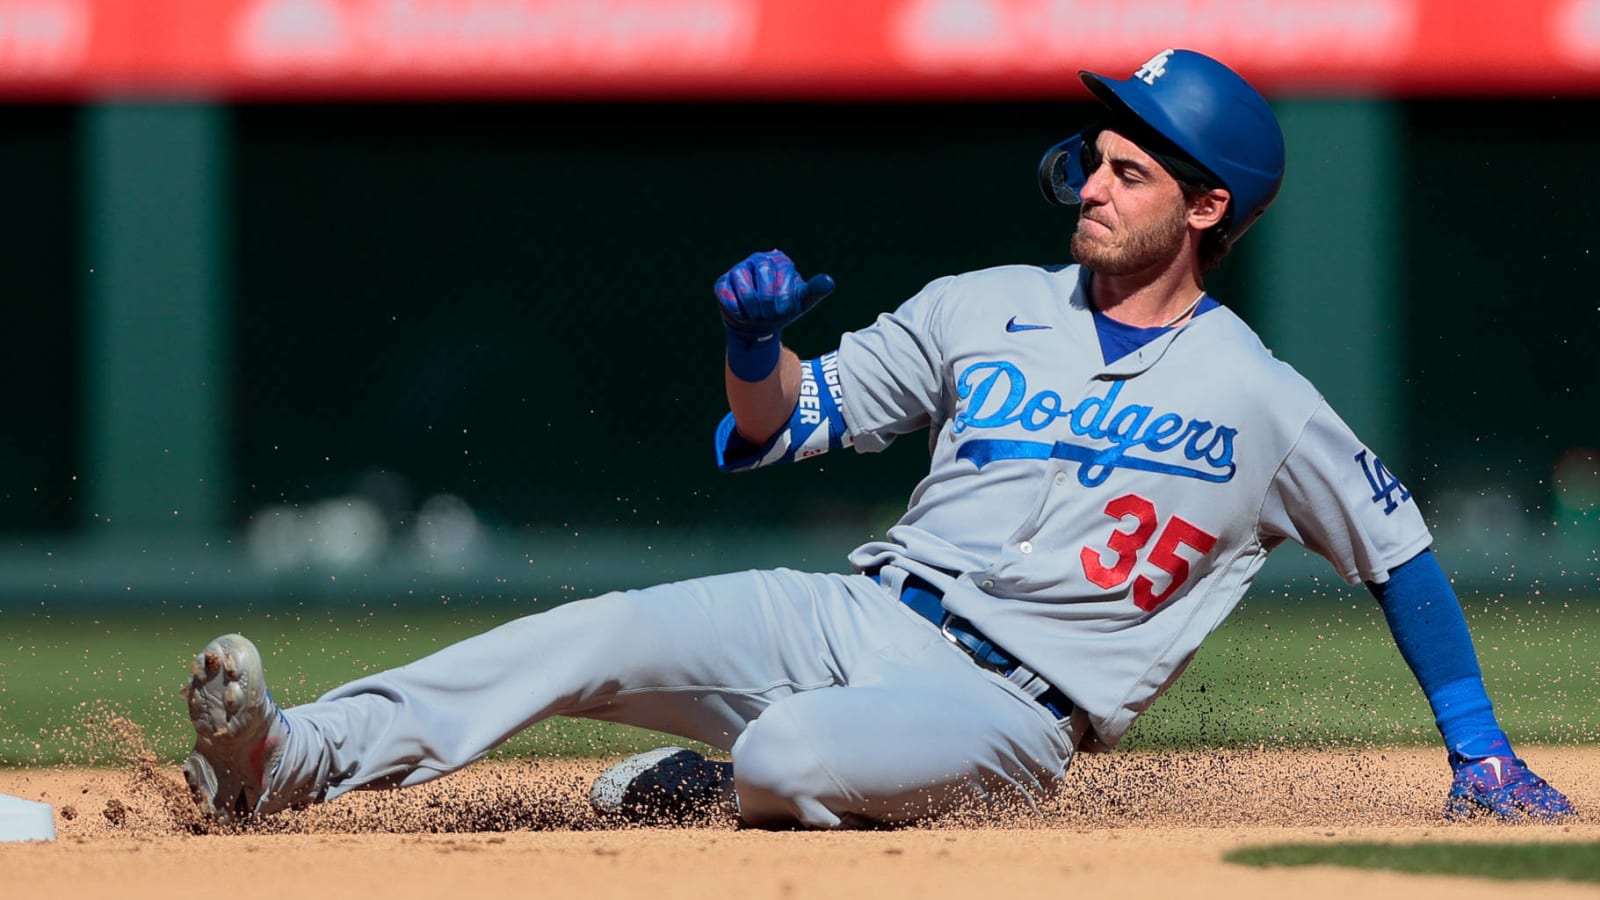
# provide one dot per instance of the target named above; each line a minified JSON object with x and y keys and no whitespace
{"x":1128,"y":824}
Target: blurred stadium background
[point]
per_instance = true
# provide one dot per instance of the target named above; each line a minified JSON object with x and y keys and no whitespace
{"x":397,"y":301}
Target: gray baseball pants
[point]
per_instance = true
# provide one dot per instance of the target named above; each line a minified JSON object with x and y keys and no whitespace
{"x":840,"y":706}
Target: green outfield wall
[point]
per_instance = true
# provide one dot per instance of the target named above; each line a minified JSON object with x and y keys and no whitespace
{"x":490,"y":320}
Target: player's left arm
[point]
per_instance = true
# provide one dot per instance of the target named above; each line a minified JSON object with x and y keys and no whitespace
{"x":1334,"y":496}
{"x":1426,"y":620}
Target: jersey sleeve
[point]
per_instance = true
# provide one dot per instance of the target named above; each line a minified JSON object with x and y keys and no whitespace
{"x":892,"y":371}
{"x":1335,"y":497}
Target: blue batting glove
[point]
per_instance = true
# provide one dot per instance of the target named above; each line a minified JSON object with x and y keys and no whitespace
{"x":763,"y":294}
{"x":1490,"y":779}
{"x":758,"y":298}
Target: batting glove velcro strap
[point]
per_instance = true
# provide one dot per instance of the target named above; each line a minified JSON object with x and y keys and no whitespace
{"x":1502,"y":786}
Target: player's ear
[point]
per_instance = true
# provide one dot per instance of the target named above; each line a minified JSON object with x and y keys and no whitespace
{"x":1208,"y":208}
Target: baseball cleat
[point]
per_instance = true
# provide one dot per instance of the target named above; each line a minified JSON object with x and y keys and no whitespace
{"x":667,"y":786}
{"x":239,"y":731}
{"x":1504,"y":787}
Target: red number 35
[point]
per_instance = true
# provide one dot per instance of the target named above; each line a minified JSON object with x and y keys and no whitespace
{"x":1127,"y":544}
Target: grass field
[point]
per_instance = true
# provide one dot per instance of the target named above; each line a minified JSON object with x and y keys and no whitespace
{"x":1318,"y":672}
{"x":1327,"y":672}
{"x":1513,"y":862}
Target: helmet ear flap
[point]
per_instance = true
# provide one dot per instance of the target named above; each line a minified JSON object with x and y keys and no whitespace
{"x":1061,"y":172}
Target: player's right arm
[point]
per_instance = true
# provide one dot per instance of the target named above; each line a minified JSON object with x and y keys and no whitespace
{"x":761,"y":408}
{"x":785,"y":408}
{"x":782,"y":409}
{"x":758,"y":298}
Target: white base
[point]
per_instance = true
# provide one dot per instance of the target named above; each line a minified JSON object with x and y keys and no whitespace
{"x":25,"y":820}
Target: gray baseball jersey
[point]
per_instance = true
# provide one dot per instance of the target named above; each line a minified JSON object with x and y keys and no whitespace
{"x":1099,"y":520}
{"x":1096,"y":520}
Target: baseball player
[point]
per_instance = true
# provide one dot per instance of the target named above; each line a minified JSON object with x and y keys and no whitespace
{"x":1113,"y":456}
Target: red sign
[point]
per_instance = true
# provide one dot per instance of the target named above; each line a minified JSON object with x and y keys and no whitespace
{"x":264,"y":49}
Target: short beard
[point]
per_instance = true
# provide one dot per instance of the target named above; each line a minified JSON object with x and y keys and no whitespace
{"x":1151,"y":246}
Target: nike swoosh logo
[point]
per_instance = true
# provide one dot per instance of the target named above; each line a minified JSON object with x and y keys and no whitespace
{"x":1014,"y":326}
{"x":1499,"y":774}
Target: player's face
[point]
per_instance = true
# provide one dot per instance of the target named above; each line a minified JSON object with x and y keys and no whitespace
{"x":1133,"y":216}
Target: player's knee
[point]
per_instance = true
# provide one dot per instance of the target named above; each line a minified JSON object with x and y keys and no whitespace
{"x":780,"y":776}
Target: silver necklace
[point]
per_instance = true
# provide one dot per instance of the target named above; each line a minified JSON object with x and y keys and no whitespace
{"x":1186,"y":310}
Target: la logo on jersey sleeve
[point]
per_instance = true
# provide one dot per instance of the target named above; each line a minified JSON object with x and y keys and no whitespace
{"x":1386,"y":489}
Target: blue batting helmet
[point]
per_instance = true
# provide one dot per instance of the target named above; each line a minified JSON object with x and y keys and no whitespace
{"x":1195,"y":110}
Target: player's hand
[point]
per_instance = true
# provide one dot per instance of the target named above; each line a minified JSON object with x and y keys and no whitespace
{"x":1500,"y":784}
{"x":762,"y":295}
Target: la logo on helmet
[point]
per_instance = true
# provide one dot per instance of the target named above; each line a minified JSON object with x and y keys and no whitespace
{"x":1155,"y":68}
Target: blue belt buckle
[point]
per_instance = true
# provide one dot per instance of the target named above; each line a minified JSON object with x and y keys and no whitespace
{"x":976,"y":649}
{"x":927,"y":601}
